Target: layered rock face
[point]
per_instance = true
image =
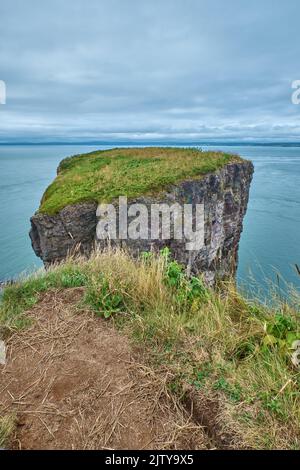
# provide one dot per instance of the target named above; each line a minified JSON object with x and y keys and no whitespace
{"x":223,"y":193}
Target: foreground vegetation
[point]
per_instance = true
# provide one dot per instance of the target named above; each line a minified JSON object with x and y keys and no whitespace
{"x":217,"y":346}
{"x":105,"y":175}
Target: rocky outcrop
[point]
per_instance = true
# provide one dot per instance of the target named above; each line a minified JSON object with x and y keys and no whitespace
{"x":224,"y":194}
{"x":54,"y":237}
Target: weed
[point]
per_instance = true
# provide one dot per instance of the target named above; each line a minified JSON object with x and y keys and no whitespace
{"x":234,"y":392}
{"x":104,"y":299}
{"x":201,"y":375}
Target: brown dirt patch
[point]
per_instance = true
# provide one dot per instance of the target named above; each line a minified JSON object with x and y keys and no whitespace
{"x":209,"y":413}
{"x":74,"y":382}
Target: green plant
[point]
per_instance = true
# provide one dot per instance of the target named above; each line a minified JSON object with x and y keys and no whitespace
{"x":201,"y":375}
{"x":234,"y":392}
{"x":196,"y":289}
{"x":187,"y":289}
{"x":271,"y":403}
{"x":104,"y":299}
{"x":147,"y":256}
{"x":74,"y":279}
{"x":280,"y":331}
{"x":174,"y":274}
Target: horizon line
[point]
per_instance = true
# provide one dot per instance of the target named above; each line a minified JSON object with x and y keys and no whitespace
{"x":158,"y":142}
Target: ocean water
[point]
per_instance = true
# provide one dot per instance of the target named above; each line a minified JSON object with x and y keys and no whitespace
{"x":269,"y":243}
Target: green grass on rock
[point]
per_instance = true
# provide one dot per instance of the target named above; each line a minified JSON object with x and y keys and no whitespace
{"x":107,"y":174}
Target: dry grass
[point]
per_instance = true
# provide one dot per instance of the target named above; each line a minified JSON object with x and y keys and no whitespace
{"x":7,"y":426}
{"x":225,"y":359}
{"x":73,"y":382}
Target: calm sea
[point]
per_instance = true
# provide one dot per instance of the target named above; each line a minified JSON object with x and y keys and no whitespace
{"x":270,"y":240}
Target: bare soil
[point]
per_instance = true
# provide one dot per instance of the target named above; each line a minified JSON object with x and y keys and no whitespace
{"x":73,"y":382}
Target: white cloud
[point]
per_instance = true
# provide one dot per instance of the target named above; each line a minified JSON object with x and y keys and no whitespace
{"x":124,"y":69}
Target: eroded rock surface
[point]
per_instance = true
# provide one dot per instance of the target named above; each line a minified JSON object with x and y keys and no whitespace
{"x":225,"y":196}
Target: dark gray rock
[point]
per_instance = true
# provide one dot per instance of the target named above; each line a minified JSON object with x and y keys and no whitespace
{"x":224,"y":194}
{"x":54,"y":237}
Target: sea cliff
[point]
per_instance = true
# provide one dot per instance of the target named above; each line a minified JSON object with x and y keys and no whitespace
{"x":219,"y":181}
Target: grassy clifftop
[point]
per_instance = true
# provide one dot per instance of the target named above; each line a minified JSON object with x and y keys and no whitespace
{"x":105,"y":175}
{"x":227,"y":356}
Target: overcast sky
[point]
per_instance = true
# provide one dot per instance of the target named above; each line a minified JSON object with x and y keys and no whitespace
{"x":111,"y":70}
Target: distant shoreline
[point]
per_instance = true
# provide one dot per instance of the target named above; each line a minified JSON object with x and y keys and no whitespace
{"x":157,"y":143}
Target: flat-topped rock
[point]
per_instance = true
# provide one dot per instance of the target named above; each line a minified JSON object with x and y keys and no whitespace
{"x":67,"y":218}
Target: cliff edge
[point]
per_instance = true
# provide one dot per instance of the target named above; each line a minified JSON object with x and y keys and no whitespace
{"x":68,"y":217}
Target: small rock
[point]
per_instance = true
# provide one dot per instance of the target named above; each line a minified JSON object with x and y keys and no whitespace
{"x":296,"y":354}
{"x":2,"y":353}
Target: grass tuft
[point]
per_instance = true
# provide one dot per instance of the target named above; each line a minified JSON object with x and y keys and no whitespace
{"x":7,"y":425}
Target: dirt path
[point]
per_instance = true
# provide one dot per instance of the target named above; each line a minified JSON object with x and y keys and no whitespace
{"x":74,"y":382}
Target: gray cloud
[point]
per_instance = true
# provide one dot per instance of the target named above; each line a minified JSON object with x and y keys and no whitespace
{"x":161,"y":69}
